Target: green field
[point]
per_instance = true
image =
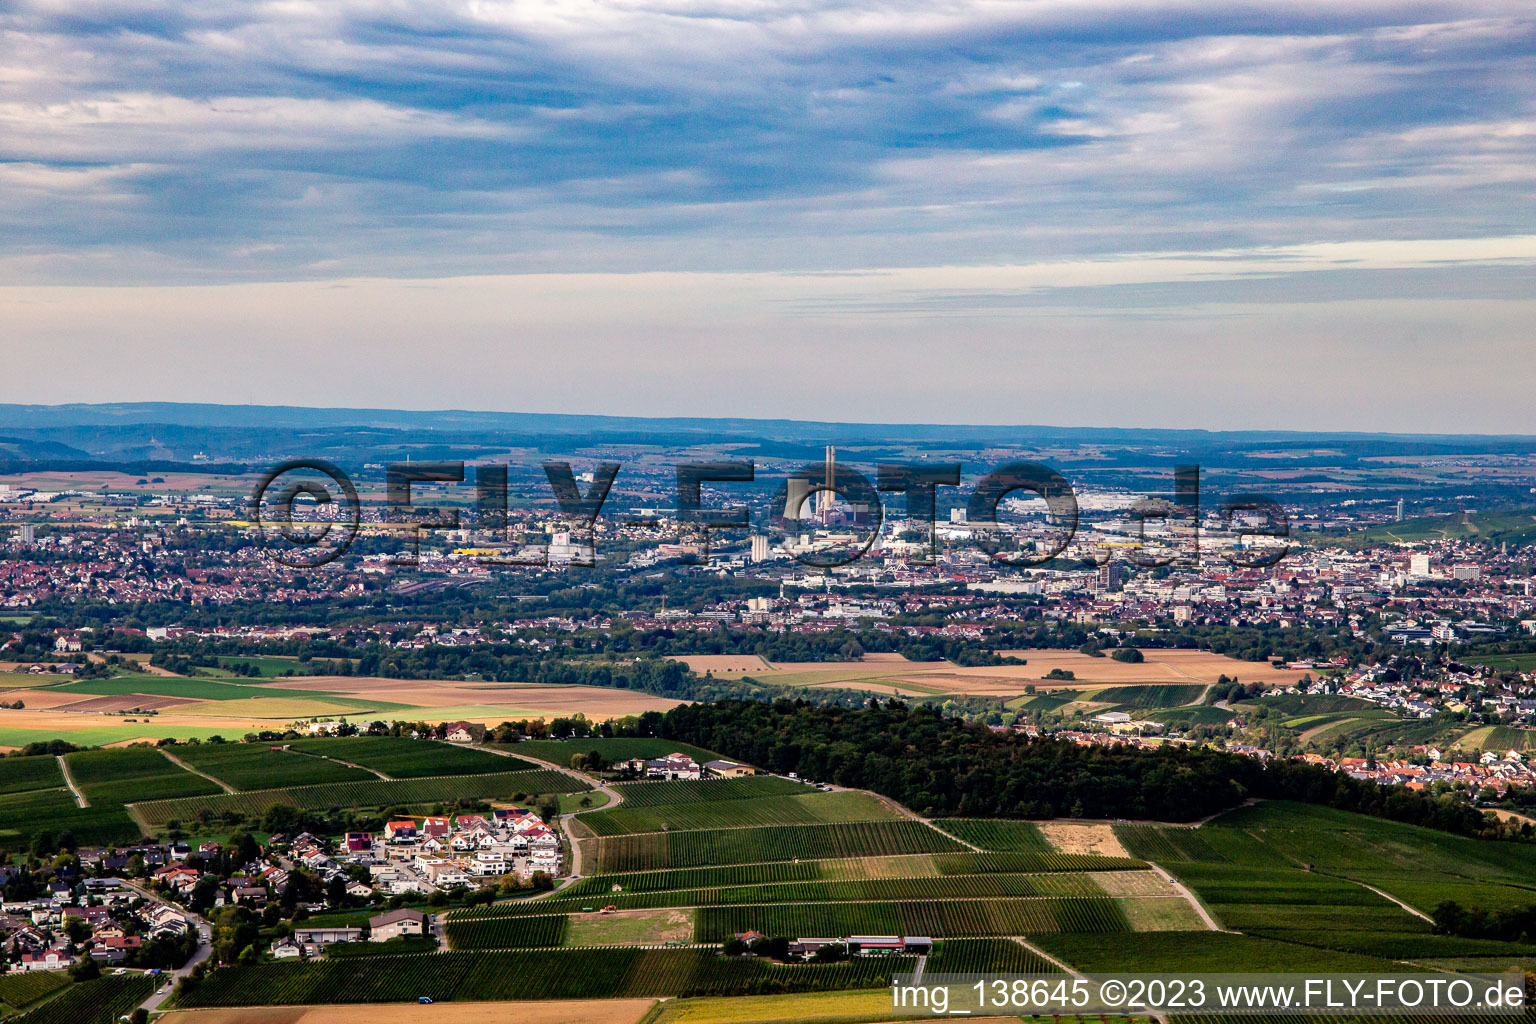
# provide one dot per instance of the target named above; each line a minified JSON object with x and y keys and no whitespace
{"x":1301,"y":873}
{"x":1197,"y":952}
{"x":531,"y":974}
{"x":370,"y":793}
{"x":1151,"y":696}
{"x":18,"y":774}
{"x":262,"y":766}
{"x":802,"y":809}
{"x":121,"y":775}
{"x":657,"y":794}
{"x":963,"y":917}
{"x":998,"y":836}
{"x":1190,"y":716}
{"x":615,"y":748}
{"x":100,"y":1001}
{"x":174,"y":686}
{"x":986,"y":956}
{"x":402,"y":758}
{"x":750,"y":845}
{"x":1000,"y":885}
{"x":21,"y":989}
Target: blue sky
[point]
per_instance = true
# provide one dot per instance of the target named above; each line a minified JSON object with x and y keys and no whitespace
{"x":662,"y":196}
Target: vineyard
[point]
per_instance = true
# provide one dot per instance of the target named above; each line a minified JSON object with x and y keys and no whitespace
{"x":531,"y":974}
{"x":1161,"y":695}
{"x":506,"y":932}
{"x":995,"y":835}
{"x":100,"y":1001}
{"x":658,"y":794}
{"x":26,"y":815}
{"x":19,"y":774}
{"x":803,"y":809}
{"x":986,"y":956}
{"x":21,"y":989}
{"x":370,"y":793}
{"x":401,"y":758}
{"x":970,"y":863}
{"x":117,"y":776}
{"x":957,"y":886}
{"x":750,"y":845}
{"x":1299,"y":873}
{"x":248,"y":766}
{"x":967,"y":917}
{"x":1198,"y":952}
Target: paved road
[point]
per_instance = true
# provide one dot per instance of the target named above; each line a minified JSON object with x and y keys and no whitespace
{"x":614,"y":799}
{"x":203,"y":952}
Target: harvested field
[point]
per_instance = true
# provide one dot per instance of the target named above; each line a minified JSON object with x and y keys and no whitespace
{"x":126,"y":702}
{"x":725,"y":664}
{"x":42,"y":700}
{"x":588,"y":1011}
{"x":549,"y":699}
{"x":1160,"y":666}
{"x":893,"y":674}
{"x":1069,"y":837}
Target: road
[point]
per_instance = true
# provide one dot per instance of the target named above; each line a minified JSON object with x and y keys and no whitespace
{"x":69,"y":780}
{"x":614,"y":799}
{"x":204,"y":950}
{"x":226,"y":787}
{"x":1205,"y":915}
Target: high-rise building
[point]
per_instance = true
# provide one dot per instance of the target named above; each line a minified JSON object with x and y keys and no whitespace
{"x":1110,"y":576}
{"x":1418,"y":565}
{"x":1399,"y":509}
{"x":759,"y":547}
{"x":26,"y":536}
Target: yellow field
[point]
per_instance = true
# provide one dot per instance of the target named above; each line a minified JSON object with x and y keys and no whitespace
{"x":892,"y":674}
{"x":587,"y":1011}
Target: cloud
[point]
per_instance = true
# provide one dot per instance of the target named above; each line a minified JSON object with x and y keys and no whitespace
{"x":1149,"y":163}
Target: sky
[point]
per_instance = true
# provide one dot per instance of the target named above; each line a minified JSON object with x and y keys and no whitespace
{"x":1309,"y":214}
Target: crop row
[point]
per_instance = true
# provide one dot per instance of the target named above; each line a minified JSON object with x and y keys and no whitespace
{"x":909,"y":866}
{"x":996,"y":834}
{"x":656,"y":794}
{"x":248,"y":766}
{"x":986,"y":956}
{"x":18,"y":774}
{"x":973,"y":863}
{"x":99,"y":1001}
{"x":801,"y":809}
{"x":529,"y":974}
{"x":22,"y":988}
{"x":118,"y":775}
{"x":1058,"y":884}
{"x":507,"y":932}
{"x":371,"y":793}
{"x":750,"y":845}
{"x":35,"y":814}
{"x":967,"y":917}
{"x":402,"y":758}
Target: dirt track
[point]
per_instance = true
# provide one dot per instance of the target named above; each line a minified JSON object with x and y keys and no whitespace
{"x":587,"y":1011}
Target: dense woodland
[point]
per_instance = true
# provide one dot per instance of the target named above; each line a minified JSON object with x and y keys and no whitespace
{"x":944,"y":766}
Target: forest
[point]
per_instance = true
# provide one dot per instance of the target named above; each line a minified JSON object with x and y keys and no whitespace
{"x":944,"y":766}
